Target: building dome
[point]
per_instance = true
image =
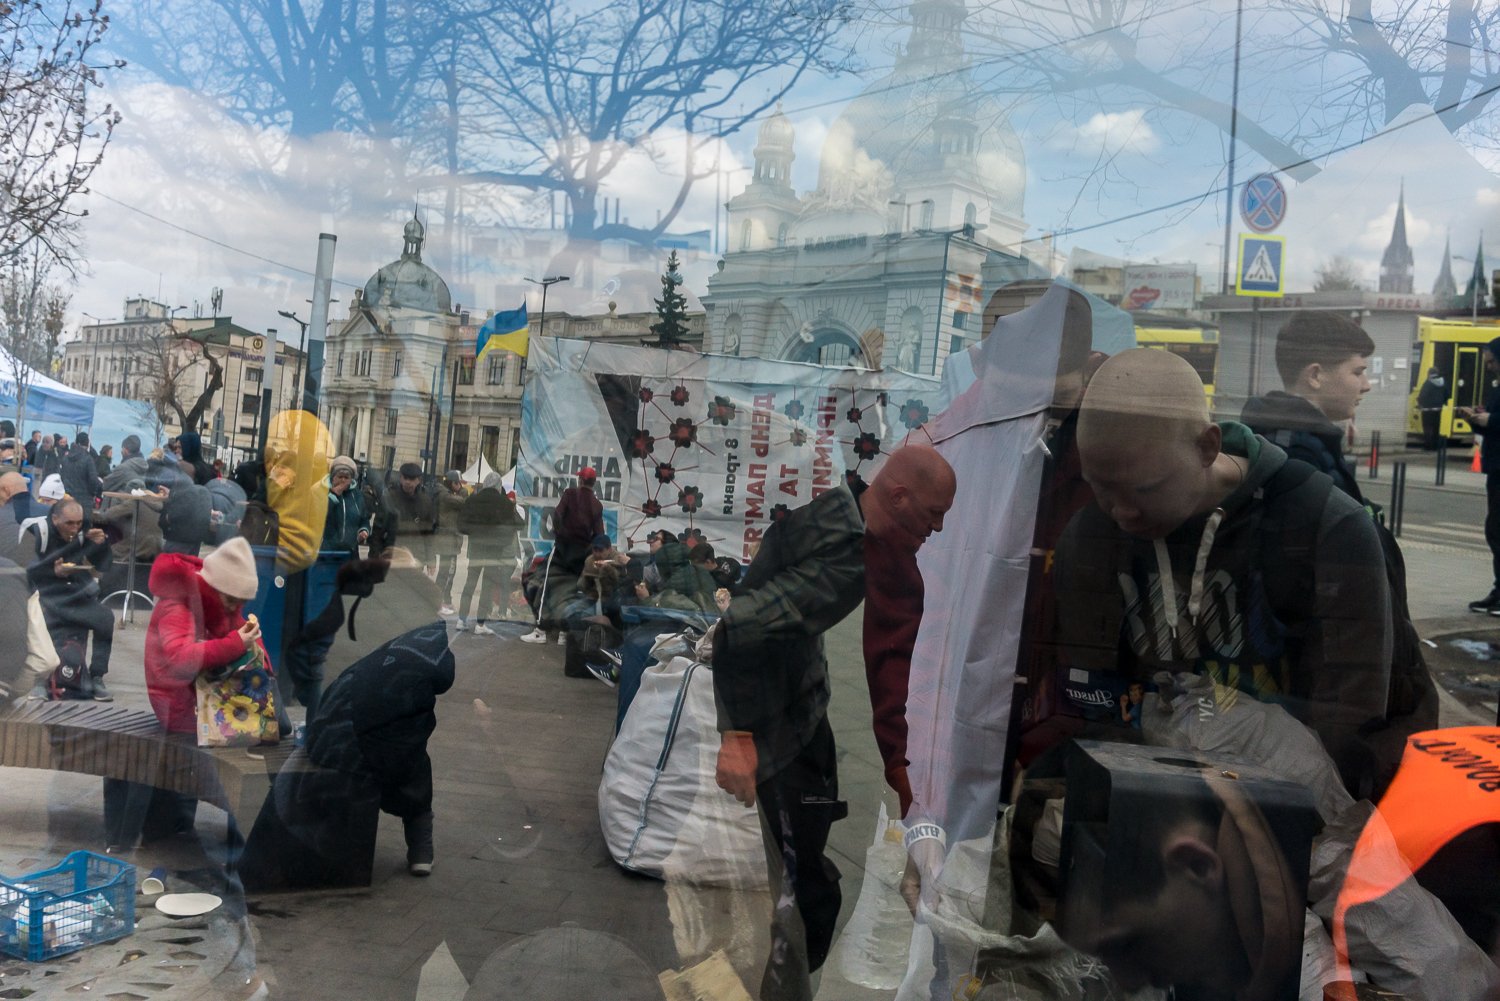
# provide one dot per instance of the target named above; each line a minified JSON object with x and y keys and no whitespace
{"x":927,"y":116}
{"x":777,"y":133}
{"x":407,"y":283}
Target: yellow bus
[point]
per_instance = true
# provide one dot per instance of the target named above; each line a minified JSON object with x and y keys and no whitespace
{"x":1194,"y":342}
{"x":1454,"y":348}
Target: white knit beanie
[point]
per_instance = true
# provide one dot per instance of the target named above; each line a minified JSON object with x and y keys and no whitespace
{"x":230,"y":569}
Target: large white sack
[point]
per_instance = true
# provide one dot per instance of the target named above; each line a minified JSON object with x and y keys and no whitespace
{"x":660,"y":810}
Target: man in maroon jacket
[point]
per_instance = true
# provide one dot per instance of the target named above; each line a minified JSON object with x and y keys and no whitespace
{"x":576,"y":520}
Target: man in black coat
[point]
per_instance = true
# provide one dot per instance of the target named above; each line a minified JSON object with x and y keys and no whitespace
{"x":1431,"y":399}
{"x":80,"y":476}
{"x":771,"y":687}
{"x":1489,"y":461}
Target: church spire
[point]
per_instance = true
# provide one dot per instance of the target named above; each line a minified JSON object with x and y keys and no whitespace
{"x":1445,"y":289}
{"x":1396,"y":262}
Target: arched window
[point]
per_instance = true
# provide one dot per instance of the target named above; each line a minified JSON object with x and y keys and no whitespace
{"x":928,"y":207}
{"x":781,"y":233}
{"x":745,"y":235}
{"x":971,"y":214}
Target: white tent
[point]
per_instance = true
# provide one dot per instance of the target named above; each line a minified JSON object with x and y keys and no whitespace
{"x":478,"y":472}
{"x":47,"y":400}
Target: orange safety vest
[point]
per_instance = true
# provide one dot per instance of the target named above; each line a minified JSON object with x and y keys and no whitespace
{"x":1448,"y":783}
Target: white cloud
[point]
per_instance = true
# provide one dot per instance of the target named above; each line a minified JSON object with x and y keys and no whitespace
{"x":1487,"y":198}
{"x":1110,"y":132}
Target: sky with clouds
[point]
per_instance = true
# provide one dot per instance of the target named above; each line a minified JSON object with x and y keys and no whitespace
{"x":189,"y":199}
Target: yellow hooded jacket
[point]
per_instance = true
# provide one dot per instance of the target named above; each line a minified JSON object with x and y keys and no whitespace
{"x":298,"y":448}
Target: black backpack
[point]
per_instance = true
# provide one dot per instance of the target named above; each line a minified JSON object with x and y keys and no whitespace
{"x":1285,"y":558}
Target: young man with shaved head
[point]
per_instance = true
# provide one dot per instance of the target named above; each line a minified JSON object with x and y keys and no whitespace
{"x":1207,"y":551}
{"x":771,"y":684}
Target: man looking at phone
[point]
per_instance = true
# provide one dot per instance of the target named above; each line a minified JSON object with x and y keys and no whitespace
{"x":1489,"y":461}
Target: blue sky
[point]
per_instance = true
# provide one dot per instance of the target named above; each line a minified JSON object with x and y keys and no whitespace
{"x":1092,"y":158}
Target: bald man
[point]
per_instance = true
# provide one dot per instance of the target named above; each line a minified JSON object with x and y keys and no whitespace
{"x":771,"y":684}
{"x":894,"y":593}
{"x":13,"y":495}
{"x":1208,"y":551}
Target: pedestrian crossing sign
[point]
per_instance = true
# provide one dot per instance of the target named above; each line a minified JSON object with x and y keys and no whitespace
{"x":1262,"y":269}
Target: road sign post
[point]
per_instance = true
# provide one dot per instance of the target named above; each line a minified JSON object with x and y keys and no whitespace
{"x":1262,"y":267}
{"x":1263,"y":203}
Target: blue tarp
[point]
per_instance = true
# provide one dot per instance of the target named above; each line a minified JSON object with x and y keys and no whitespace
{"x":115,"y":418}
{"x":48,"y":402}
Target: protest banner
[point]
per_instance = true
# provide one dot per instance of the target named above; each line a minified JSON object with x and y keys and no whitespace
{"x":713,"y":445}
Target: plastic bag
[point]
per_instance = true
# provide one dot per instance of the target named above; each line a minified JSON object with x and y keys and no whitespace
{"x":872,"y":950}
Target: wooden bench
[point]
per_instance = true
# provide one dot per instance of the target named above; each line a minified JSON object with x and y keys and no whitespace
{"x":113,"y":742}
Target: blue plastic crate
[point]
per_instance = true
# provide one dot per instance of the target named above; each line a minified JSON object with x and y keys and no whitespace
{"x":83,"y":900}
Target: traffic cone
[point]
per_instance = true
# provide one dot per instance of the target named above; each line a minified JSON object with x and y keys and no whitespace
{"x":1474,"y":466}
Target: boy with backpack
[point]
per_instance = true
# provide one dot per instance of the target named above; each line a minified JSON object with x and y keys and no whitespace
{"x":1322,"y":358}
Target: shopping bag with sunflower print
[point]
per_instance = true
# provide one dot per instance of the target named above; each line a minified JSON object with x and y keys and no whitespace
{"x":235,"y":705}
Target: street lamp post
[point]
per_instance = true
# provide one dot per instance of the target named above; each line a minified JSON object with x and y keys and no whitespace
{"x":546,"y":283}
{"x":301,"y":349}
{"x":301,"y":346}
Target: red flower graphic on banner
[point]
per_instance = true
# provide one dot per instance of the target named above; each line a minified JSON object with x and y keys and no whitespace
{"x":642,"y":443}
{"x":914,"y":413}
{"x":779,"y":512}
{"x":646,"y":394}
{"x":855,"y":415}
{"x":722,"y":411}
{"x":680,"y":395}
{"x":691,"y":499}
{"x":651,"y":509}
{"x":665,"y":472}
{"x":683,"y":432}
{"x":799,"y":436}
{"x":866,"y":446}
{"x":794,"y":410}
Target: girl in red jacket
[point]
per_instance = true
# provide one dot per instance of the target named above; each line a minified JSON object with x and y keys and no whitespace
{"x":196,"y":626}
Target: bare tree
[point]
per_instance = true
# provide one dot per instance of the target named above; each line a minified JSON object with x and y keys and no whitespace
{"x":52,"y":136}
{"x":1107,"y":55}
{"x":166,"y":359}
{"x":477,"y":95}
{"x":32,"y":310}
{"x":576,"y":90}
{"x":1337,"y":274}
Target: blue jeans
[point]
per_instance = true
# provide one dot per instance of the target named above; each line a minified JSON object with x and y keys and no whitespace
{"x":635,"y":657}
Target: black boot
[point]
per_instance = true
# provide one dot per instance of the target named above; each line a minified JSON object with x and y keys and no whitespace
{"x":418,"y":844}
{"x":1488,"y":603}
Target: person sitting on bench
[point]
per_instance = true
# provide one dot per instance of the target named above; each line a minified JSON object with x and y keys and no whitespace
{"x":64,"y":575}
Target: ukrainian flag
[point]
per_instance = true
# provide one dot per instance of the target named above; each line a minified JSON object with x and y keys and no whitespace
{"x":504,"y":331}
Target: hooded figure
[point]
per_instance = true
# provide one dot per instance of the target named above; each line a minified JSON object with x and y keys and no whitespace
{"x":365,"y":745}
{"x":1208,"y":551}
{"x":192,"y":452}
